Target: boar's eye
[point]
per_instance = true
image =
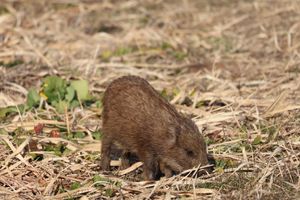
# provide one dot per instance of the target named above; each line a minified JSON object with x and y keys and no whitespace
{"x":190,"y":152}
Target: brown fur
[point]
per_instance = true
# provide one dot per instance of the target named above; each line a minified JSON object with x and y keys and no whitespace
{"x":141,"y":122}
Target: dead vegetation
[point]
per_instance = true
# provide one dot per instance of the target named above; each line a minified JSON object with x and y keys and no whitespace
{"x":232,"y":65}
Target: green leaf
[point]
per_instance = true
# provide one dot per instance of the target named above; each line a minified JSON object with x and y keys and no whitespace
{"x":97,"y":135}
{"x":98,"y":178}
{"x":12,"y":109}
{"x":99,"y":104}
{"x":179,"y":55}
{"x":164,"y":94}
{"x":82,"y":89}
{"x":75,"y":185}
{"x":57,"y":149}
{"x":74,"y":104}
{"x":257,"y":140}
{"x":4,"y":112}
{"x":36,"y":157}
{"x":61,"y":106}
{"x":106,"y":55}
{"x":70,"y":94}
{"x":66,"y":136}
{"x":123,"y":51}
{"x":200,"y":104}
{"x":109,"y":192}
{"x":33,"y":98}
{"x":165,"y":46}
{"x":79,"y":135}
{"x":54,"y":88}
{"x":220,"y":163}
{"x":13,"y":63}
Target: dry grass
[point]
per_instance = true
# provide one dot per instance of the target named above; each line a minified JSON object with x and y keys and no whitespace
{"x":232,"y":65}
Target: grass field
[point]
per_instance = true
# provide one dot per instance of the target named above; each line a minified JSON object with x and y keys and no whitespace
{"x":233,"y":66}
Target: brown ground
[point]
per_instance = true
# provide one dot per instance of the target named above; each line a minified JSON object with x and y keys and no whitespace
{"x":232,"y":65}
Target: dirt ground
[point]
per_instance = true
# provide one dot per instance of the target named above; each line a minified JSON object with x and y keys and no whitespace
{"x":233,"y":66}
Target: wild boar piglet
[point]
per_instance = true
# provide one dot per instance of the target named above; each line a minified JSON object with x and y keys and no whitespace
{"x":142,"y":123}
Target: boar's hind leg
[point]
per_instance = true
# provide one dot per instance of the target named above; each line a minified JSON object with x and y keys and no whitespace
{"x":105,"y":152}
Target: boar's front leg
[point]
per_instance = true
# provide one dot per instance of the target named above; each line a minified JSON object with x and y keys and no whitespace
{"x":165,"y":170}
{"x":125,"y":160}
{"x":105,"y":152}
{"x":151,"y":167}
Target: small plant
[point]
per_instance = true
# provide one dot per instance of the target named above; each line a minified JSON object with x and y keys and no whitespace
{"x":123,"y":51}
{"x":12,"y":109}
{"x":12,"y":63}
{"x":222,"y":164}
{"x":169,"y":95}
{"x":98,"y":178}
{"x":59,"y":93}
{"x":75,"y":185}
{"x":57,"y":149}
{"x":97,"y":135}
{"x":257,"y":140}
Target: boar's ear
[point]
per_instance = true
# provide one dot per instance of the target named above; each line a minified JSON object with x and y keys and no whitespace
{"x":173,"y":134}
